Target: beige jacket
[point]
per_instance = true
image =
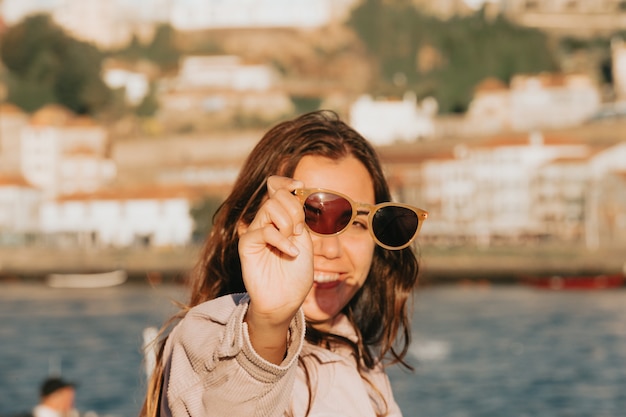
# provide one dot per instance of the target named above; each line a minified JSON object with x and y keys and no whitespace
{"x":211,"y":369}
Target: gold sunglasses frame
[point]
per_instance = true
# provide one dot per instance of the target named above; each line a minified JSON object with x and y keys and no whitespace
{"x":304,"y":193}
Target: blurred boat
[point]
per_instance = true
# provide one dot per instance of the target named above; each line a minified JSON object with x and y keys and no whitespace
{"x":576,"y":282}
{"x":93,"y":280}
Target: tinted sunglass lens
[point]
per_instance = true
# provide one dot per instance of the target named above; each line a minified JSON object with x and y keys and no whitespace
{"x":327,"y":213}
{"x":395,"y":226}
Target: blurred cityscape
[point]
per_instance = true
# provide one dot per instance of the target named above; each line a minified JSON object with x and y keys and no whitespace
{"x":124,"y":123}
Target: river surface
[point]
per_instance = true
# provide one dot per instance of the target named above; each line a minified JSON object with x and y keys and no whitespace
{"x":478,"y":351}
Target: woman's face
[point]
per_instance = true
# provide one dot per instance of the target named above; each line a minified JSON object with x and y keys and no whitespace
{"x":342,"y":262}
{"x":62,"y":399}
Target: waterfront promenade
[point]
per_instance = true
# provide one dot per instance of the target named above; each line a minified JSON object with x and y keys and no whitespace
{"x":500,"y":264}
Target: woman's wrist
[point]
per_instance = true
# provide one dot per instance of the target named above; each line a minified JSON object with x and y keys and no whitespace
{"x":268,"y":337}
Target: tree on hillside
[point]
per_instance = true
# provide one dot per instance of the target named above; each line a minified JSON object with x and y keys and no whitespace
{"x":47,"y":66}
{"x":163,"y":50}
{"x":463,"y":51}
{"x":133,"y":51}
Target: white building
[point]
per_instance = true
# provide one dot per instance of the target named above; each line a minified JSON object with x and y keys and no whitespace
{"x":485,"y":191}
{"x":489,"y":111}
{"x":558,"y":193}
{"x":606,"y":227}
{"x":606,"y":214}
{"x":147,"y":217}
{"x":19,"y":207}
{"x":12,"y":121}
{"x":223,"y":86}
{"x":226,"y":72}
{"x":608,"y":160}
{"x":543,"y":101}
{"x":63,"y":153}
{"x":550,"y":101}
{"x":135,"y":84}
{"x":384,"y":122}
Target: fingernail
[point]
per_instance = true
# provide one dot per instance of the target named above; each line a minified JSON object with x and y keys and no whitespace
{"x":299,"y":229}
{"x":294,"y":251}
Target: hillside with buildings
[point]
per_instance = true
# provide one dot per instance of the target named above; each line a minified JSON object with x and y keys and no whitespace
{"x":535,"y":161}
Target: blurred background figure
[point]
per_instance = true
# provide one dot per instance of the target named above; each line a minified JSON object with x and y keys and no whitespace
{"x":56,"y":399}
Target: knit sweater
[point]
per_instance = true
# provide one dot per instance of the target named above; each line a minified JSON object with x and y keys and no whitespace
{"x":211,"y":369}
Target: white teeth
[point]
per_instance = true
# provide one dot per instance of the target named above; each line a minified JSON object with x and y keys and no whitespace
{"x":325,"y":277}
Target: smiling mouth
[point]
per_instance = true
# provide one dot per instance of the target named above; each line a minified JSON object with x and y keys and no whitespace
{"x":325,"y":277}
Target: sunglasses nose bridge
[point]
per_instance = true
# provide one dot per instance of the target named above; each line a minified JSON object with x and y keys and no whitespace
{"x":363,"y":207}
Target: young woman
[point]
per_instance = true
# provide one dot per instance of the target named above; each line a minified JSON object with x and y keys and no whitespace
{"x":299,"y":300}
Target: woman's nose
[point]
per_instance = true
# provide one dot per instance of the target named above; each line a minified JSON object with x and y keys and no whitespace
{"x":327,"y":246}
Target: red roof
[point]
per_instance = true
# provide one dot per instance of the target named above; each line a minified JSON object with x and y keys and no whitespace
{"x":9,"y":180}
{"x":490,"y":84}
{"x":10,"y":108}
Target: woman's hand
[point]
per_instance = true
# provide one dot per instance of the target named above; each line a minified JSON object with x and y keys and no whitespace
{"x":276,"y":255}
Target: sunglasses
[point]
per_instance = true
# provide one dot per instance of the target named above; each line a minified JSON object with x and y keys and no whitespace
{"x":392,"y":225}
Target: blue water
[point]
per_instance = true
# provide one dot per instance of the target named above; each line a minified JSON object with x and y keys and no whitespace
{"x":93,"y":336}
{"x":477,"y":351}
{"x":513,"y":351}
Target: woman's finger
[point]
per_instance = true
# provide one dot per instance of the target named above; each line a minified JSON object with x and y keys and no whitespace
{"x":278,"y":214}
{"x":269,"y":235}
{"x":282,"y":209}
{"x":292,"y":206}
{"x":276,"y":182}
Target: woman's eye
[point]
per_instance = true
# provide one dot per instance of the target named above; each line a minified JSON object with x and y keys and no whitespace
{"x":360,"y":224}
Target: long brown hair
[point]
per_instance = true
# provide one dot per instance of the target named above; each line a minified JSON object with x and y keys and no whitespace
{"x":379,"y":310}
